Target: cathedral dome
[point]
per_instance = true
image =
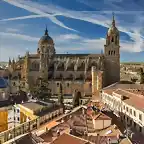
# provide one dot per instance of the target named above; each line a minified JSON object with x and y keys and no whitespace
{"x":113,"y":30}
{"x":46,"y":39}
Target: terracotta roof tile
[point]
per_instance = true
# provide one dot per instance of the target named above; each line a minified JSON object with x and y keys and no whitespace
{"x":52,"y":124}
{"x":66,"y":138}
{"x":102,"y":116}
{"x":109,"y":91}
{"x":133,"y":99}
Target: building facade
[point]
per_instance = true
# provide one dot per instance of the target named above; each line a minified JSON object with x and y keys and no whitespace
{"x":128,"y":106}
{"x":72,"y":70}
{"x":14,"y":116}
{"x":3,"y":119}
{"x":9,"y":117}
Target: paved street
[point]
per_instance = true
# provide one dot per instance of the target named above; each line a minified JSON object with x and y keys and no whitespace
{"x":137,"y":137}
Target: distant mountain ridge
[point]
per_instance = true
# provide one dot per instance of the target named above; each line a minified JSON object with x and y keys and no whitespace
{"x":3,"y":63}
{"x":134,"y":57}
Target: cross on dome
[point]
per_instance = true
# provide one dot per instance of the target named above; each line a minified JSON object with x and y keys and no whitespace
{"x":113,"y":20}
{"x":46,"y":31}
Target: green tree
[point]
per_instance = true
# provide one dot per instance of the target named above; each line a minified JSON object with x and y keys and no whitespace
{"x":134,"y":80}
{"x":141,"y":76}
{"x":60,"y":96}
{"x":76,"y":99}
{"x":41,"y":91}
{"x":141,"y":70}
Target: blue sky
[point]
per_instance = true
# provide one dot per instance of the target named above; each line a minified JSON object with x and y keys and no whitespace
{"x":76,"y":26}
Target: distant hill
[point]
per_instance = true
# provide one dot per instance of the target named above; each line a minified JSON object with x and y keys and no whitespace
{"x":3,"y":63}
{"x":132,"y":57}
{"x":134,"y":63}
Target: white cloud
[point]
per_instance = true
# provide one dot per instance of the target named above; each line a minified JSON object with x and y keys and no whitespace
{"x":57,"y":38}
{"x":81,"y":44}
{"x":7,"y":51}
{"x":133,"y":30}
{"x":19,"y":36}
{"x":12,"y":30}
{"x":94,"y":45}
{"x":64,"y":38}
{"x":25,"y":5}
{"x":23,"y":17}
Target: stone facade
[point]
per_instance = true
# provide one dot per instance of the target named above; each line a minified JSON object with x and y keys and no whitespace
{"x":72,"y":70}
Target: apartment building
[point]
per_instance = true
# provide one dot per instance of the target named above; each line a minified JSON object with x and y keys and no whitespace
{"x":9,"y":117}
{"x":13,"y":116}
{"x":127,"y":105}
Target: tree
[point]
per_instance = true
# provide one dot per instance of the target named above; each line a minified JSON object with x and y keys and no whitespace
{"x":141,"y":70}
{"x":134,"y":80}
{"x":41,"y":91}
{"x":141,"y":76}
{"x":60,"y":96}
{"x":76,"y":99}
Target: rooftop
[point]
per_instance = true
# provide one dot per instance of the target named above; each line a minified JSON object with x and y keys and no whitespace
{"x":133,"y":99}
{"x":110,"y":131}
{"x":25,"y":139}
{"x":67,"y":55}
{"x":125,"y":86}
{"x":101,"y":116}
{"x":34,"y":105}
{"x":64,"y":126}
{"x":66,"y":138}
{"x":40,"y":108}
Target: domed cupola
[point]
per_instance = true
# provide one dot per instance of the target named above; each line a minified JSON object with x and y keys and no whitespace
{"x":46,"y":39}
{"x":113,"y":30}
{"x":113,"y":34}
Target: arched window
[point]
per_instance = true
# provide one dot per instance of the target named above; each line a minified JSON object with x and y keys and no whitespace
{"x":35,"y":66}
{"x":109,"y":52}
{"x":114,"y":52}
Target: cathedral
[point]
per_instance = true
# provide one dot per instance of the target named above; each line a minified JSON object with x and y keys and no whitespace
{"x":73,"y":71}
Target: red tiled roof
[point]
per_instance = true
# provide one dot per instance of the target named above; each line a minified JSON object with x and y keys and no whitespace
{"x":109,"y":91}
{"x":102,"y":116}
{"x":52,"y":124}
{"x":133,"y":99}
{"x":66,"y":138}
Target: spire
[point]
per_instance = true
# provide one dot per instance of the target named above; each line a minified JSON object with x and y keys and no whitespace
{"x":113,"y":20}
{"x":13,"y":61}
{"x":46,"y":31}
{"x":9,"y":60}
{"x":101,"y":51}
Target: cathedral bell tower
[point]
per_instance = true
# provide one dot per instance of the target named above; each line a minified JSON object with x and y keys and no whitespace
{"x":112,"y":54}
{"x":46,"y":51}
